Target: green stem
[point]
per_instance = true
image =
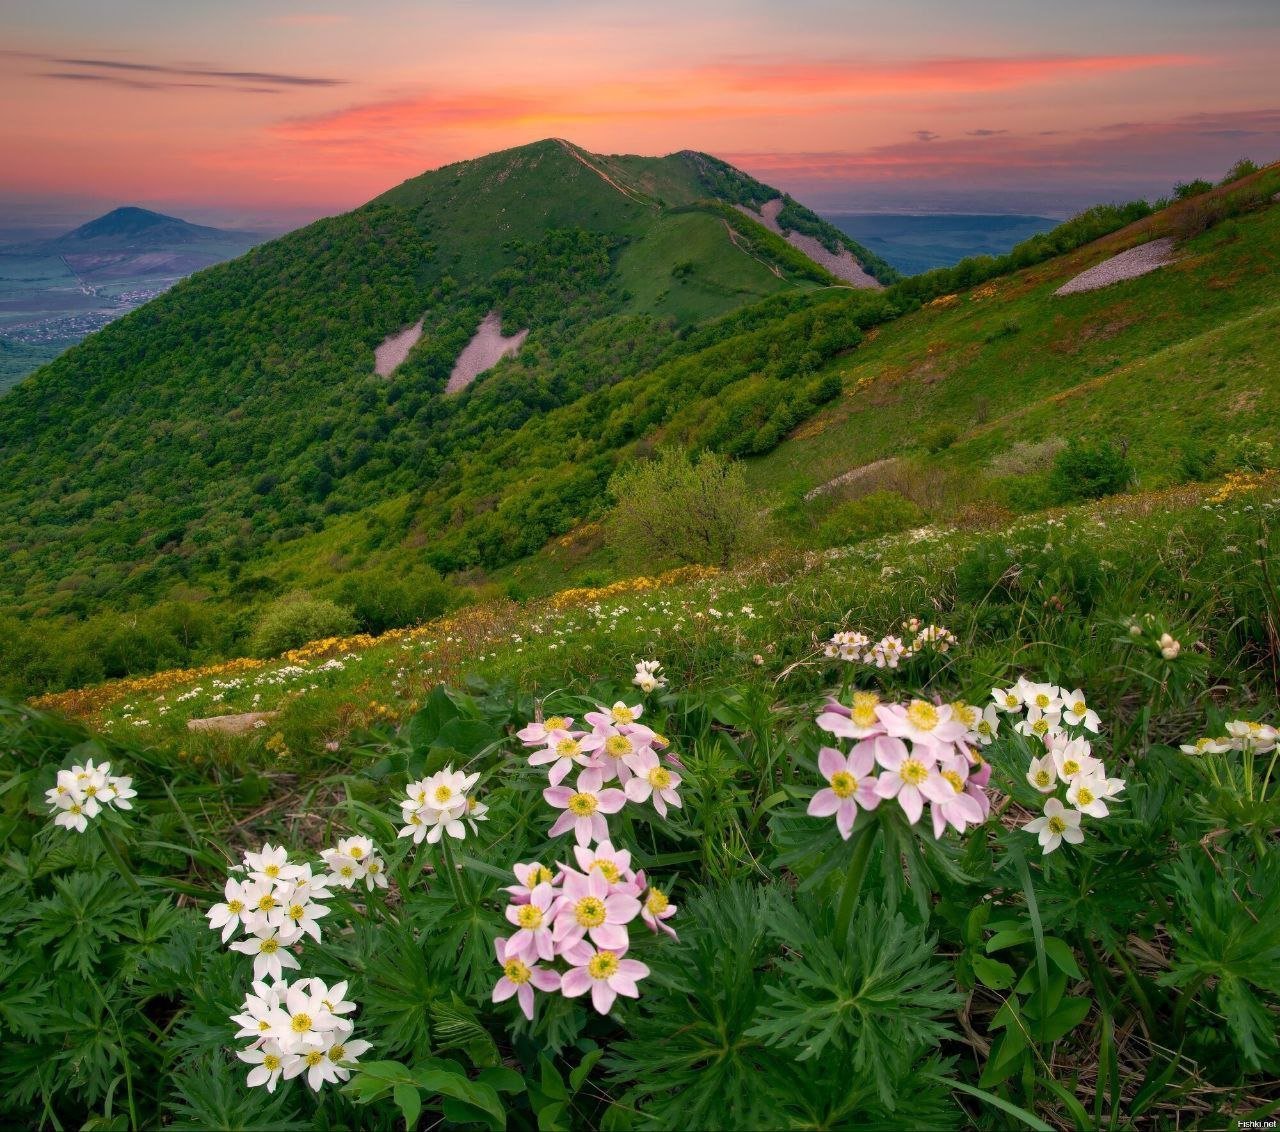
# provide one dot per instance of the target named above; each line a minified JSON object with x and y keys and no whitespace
{"x":113,"y":851}
{"x":858,"y":860}
{"x":449,"y":868}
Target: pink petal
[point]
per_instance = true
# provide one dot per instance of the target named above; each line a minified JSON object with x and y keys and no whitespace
{"x":632,"y":969}
{"x":911,"y":802}
{"x":637,"y":790}
{"x":830,"y":761}
{"x":575,"y":982}
{"x":611,"y":801}
{"x":503,"y":989}
{"x":610,"y":937}
{"x":845,"y":816}
{"x":545,"y":980}
{"x":823,"y":804}
{"x":525,"y":997}
{"x":557,"y":796}
{"x":602,"y":996}
{"x":565,"y":821}
{"x":840,"y":725}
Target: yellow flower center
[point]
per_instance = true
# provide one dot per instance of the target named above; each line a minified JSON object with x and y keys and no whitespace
{"x":271,"y":1062}
{"x":1043,"y":777}
{"x":272,"y":870}
{"x":266,"y":902}
{"x":956,"y":781}
{"x":621,"y":714}
{"x":863,"y":715}
{"x":843,"y":784}
{"x":913,"y":772}
{"x":556,"y":723}
{"x":866,"y":699}
{"x":516,"y":971}
{"x":269,"y":946}
{"x":1040,"y":726}
{"x":375,"y":867}
{"x":608,"y":870}
{"x":567,"y":748}
{"x":337,"y":1053}
{"x":314,"y":1056}
{"x":1070,"y":767}
{"x":590,"y":912}
{"x":263,"y":1025}
{"x":618,"y":745}
{"x":1084,"y":796}
{"x":346,"y":871}
{"x":76,"y":808}
{"x":602,"y":964}
{"x":964,"y":713}
{"x":1057,"y":825}
{"x":297,"y":911}
{"x":923,"y":715}
{"x":1010,"y":700}
{"x":91,"y":790}
{"x":660,"y":778}
{"x":1079,"y":707}
{"x":529,"y":916}
{"x":539,"y":874}
{"x":1042,"y":700}
{"x":443,"y":794}
{"x":584,"y":805}
{"x":984,"y":728}
{"x":355,"y":853}
{"x":657,"y":901}
{"x":301,"y":1023}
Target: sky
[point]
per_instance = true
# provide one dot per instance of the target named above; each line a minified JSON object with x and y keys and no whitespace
{"x":271,"y":113}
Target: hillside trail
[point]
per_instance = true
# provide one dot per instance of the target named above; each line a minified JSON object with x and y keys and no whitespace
{"x":628,"y":193}
{"x":733,"y":239}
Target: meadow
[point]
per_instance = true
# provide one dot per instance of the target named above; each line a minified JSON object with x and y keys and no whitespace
{"x":966,"y":826}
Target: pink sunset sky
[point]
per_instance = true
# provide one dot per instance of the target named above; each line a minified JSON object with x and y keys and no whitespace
{"x":273,"y":113}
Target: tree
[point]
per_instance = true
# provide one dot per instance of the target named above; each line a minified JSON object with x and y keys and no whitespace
{"x":677,"y":509}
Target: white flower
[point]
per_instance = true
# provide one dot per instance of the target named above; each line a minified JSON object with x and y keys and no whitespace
{"x":1086,"y":792}
{"x":271,"y":864}
{"x":1072,"y":758}
{"x":1043,"y":774}
{"x":647,"y":677}
{"x":1008,"y":699}
{"x":268,"y":1063}
{"x":269,"y":955}
{"x":1045,"y":698}
{"x":1077,"y":712}
{"x":1058,"y":824}
{"x":227,"y":914}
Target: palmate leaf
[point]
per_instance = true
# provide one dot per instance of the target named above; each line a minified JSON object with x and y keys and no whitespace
{"x":211,"y":1096}
{"x":875,"y":996}
{"x":86,"y":912}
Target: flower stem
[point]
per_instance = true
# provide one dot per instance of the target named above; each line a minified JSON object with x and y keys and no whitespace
{"x":113,"y":851}
{"x":448,"y":866}
{"x":858,"y":860}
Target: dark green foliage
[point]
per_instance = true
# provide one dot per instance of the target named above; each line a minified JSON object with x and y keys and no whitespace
{"x":297,"y":618}
{"x":880,"y":513}
{"x":1089,"y":470}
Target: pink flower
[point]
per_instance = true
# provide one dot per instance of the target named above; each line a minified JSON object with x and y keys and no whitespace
{"x":519,"y":978}
{"x":961,"y":808}
{"x":563,"y":750}
{"x":652,"y":780}
{"x":585,"y":807}
{"x":617,"y":716}
{"x":657,"y":908}
{"x":858,"y":721}
{"x":604,"y":973}
{"x":535,"y":734}
{"x":529,"y":876}
{"x":533,"y":940}
{"x":851,"y":786}
{"x":910,"y":776}
{"x":589,"y":905}
{"x":922,"y":723}
{"x":613,"y":748}
{"x":612,"y":864}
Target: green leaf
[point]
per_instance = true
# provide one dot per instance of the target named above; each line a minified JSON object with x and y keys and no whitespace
{"x":1005,"y":1058}
{"x":1001,"y":940}
{"x":1027,"y":1118}
{"x":1061,"y":955}
{"x":1082,"y":1119}
{"x":992,"y":973}
{"x":409,"y":1103}
{"x":466,"y":736}
{"x":552,"y":1083}
{"x":579,"y":1073}
{"x":425,"y":724}
{"x":475,"y":1093}
{"x":1070,"y":1013}
{"x":502,"y":1078}
{"x":551,"y":1118}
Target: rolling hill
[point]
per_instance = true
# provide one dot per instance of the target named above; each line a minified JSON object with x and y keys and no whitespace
{"x":231,"y":440}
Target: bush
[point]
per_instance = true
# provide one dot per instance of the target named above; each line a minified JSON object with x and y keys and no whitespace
{"x":297,"y":618}
{"x":1185,"y":190}
{"x":1085,"y":470}
{"x":381,"y":600}
{"x":880,"y":513}
{"x":941,"y":437}
{"x":673,"y":509}
{"x":1241,"y":169}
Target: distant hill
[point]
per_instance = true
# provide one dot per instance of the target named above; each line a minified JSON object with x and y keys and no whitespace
{"x":131,"y":227}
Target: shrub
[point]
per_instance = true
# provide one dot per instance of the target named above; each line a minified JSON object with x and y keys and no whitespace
{"x":1085,"y":470}
{"x":382,"y":600}
{"x":940,"y":437}
{"x":1241,"y":169}
{"x":297,"y":618}
{"x":1185,"y":190}
{"x":675,"y":509}
{"x":880,"y":513}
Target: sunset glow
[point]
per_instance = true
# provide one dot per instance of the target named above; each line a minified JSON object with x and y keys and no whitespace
{"x":264,"y":111}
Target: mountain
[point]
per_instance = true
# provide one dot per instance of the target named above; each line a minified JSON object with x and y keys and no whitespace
{"x":301,"y":417}
{"x":54,"y":292}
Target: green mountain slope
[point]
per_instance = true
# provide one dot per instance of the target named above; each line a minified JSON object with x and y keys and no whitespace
{"x":192,"y":442}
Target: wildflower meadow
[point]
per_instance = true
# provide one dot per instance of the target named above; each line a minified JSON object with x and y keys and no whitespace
{"x":954,"y":829}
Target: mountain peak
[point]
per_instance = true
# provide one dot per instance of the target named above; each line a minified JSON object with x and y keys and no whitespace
{"x":131,"y":225}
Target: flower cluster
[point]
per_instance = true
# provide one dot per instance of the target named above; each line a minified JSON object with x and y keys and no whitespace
{"x":572,"y":929}
{"x":617,"y":748}
{"x":276,"y":904}
{"x":354,"y":860}
{"x":298,"y":1028}
{"x":648,"y":676}
{"x":1163,"y":641}
{"x":913,"y":753}
{"x":83,"y":792}
{"x":440,"y":804}
{"x":1060,"y":720}
{"x":890,"y":650}
{"x":1241,"y":735}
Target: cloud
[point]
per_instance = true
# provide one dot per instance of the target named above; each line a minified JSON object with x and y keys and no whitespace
{"x":926,"y":135}
{"x":159,"y":76}
{"x":984,"y":133}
